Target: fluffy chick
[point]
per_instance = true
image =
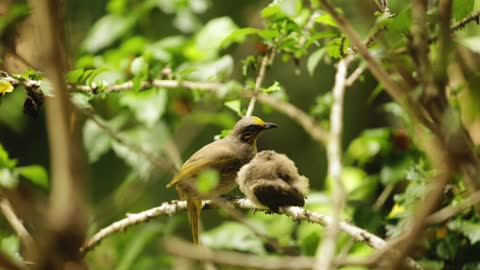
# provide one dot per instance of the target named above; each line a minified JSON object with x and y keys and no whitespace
{"x":272,"y":180}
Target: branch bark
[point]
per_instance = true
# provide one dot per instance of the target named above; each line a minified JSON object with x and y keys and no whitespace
{"x":174,"y":207}
{"x":66,"y":223}
{"x":326,"y":254}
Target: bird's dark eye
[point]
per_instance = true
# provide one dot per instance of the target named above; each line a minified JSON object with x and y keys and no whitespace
{"x":252,"y":128}
{"x":247,"y":135}
{"x":285,"y":177}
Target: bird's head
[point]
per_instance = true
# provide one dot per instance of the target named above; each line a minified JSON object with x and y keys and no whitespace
{"x":249,"y":128}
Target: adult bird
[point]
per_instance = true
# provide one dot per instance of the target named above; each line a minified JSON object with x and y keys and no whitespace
{"x":227,"y":156}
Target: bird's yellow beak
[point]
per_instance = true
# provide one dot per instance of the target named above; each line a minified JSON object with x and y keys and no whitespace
{"x":270,"y":126}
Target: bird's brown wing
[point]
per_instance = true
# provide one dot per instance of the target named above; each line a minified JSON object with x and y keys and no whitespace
{"x":189,"y":169}
{"x":210,"y":156}
{"x":275,"y":194}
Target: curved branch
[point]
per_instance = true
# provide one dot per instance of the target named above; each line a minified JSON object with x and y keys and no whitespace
{"x":334,"y":155}
{"x":174,"y":207}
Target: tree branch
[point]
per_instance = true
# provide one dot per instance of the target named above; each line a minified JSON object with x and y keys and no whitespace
{"x":450,"y":211}
{"x":174,"y":207}
{"x":396,"y":91}
{"x":66,"y":223}
{"x":258,"y":82}
{"x":17,"y":225}
{"x":326,"y":253}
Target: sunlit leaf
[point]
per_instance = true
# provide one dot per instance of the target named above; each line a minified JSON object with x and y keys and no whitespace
{"x":148,"y":106}
{"x":107,"y":30}
{"x":209,"y":39}
{"x":34,"y":173}
{"x":234,"y":105}
{"x":326,"y":19}
{"x":5,"y":161}
{"x":10,"y":246}
{"x":461,"y":8}
{"x":314,"y":59}
{"x":8,"y":179}
{"x":238,"y":36}
{"x":472,"y":43}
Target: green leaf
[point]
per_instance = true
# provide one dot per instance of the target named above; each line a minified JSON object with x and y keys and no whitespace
{"x":224,"y":133}
{"x":8,"y":179}
{"x":151,"y":140}
{"x":275,"y":87}
{"x":81,"y":100}
{"x":139,"y":66}
{"x":369,"y":144}
{"x":314,"y":59}
{"x":461,"y":8}
{"x":207,"y":180}
{"x":10,"y":246}
{"x":290,"y":7}
{"x":233,"y":236}
{"x":322,"y":106}
{"x":468,"y":228}
{"x":96,"y":141}
{"x":336,"y":47}
{"x":148,"y":106}
{"x":217,"y":70}
{"x":326,"y":19}
{"x":5,"y":161}
{"x":107,"y":30}
{"x":209,"y":39}
{"x":395,"y":171}
{"x":74,"y":75}
{"x":35,"y":173}
{"x":238,"y":36}
{"x":137,"y":245}
{"x":472,"y":43}
{"x":235,"y":105}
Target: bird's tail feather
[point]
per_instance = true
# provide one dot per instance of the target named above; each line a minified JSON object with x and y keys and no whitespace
{"x":194,"y":207}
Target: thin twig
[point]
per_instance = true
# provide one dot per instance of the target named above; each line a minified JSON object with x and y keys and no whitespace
{"x":17,"y":225}
{"x":173,"y":207}
{"x":327,"y":250}
{"x":473,"y":17}
{"x":169,"y":84}
{"x":355,"y":75}
{"x":386,"y":9}
{"x":259,"y":80}
{"x":453,"y":210}
{"x":304,"y":120}
{"x":93,"y":89}
{"x":398,"y":92}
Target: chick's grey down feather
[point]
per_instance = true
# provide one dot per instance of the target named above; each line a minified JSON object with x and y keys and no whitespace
{"x":272,"y":180}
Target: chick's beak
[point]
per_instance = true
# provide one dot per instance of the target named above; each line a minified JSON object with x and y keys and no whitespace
{"x":270,"y":126}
